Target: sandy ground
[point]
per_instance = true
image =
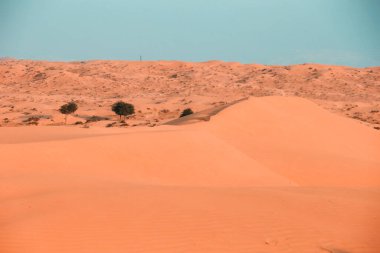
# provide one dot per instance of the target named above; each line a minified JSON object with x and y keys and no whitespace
{"x":268,"y":174}
{"x":32,"y":91}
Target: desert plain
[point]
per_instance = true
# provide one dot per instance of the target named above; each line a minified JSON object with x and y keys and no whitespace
{"x":274,"y":159}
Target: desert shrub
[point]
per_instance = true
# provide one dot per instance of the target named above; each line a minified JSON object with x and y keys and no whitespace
{"x":164,"y":111}
{"x":186,"y":112}
{"x":39,"y":76}
{"x":96,"y":118}
{"x":111,"y":124}
{"x":68,"y":108}
{"x":31,"y":119}
{"x":123,"y":109}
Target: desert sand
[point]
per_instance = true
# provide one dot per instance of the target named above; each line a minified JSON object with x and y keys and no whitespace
{"x":32,"y":91}
{"x":276,"y":172}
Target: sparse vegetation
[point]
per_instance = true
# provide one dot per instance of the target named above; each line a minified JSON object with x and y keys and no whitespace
{"x":39,"y":76}
{"x":96,"y":118}
{"x":186,"y":112}
{"x":111,"y":124}
{"x":173,"y":86}
{"x":68,"y":108}
{"x":164,"y":111}
{"x":31,"y":121}
{"x":123,"y":109}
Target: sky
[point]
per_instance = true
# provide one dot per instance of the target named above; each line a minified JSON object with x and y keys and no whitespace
{"x":273,"y":32}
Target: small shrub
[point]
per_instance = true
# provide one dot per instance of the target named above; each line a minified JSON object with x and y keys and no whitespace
{"x":31,"y":120}
{"x":39,"y":76}
{"x":186,"y":112}
{"x":111,"y":124}
{"x":96,"y":118}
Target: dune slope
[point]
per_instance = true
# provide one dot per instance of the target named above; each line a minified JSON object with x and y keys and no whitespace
{"x":301,"y":141}
{"x":269,"y":174}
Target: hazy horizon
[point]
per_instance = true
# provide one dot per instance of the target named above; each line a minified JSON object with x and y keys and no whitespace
{"x":335,"y":32}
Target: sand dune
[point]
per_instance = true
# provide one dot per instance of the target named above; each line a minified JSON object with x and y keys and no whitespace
{"x":271,"y":174}
{"x":32,"y":91}
{"x":301,"y":141}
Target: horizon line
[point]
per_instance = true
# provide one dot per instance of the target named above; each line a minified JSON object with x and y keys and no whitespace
{"x":8,"y":58}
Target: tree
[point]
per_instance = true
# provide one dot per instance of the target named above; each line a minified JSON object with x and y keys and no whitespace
{"x":186,"y":112}
{"x":123,"y":109}
{"x":68,"y":108}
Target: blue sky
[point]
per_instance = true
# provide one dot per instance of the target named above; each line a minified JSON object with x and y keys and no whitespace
{"x":341,"y":32}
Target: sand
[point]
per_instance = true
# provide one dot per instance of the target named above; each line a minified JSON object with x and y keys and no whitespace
{"x":267,"y":174}
{"x":32,"y":91}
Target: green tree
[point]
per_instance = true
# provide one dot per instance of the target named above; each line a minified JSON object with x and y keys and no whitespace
{"x":123,"y":109}
{"x":67,"y":109}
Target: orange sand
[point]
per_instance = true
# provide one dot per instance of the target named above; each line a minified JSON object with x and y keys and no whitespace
{"x":32,"y":91}
{"x":271,"y":174}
